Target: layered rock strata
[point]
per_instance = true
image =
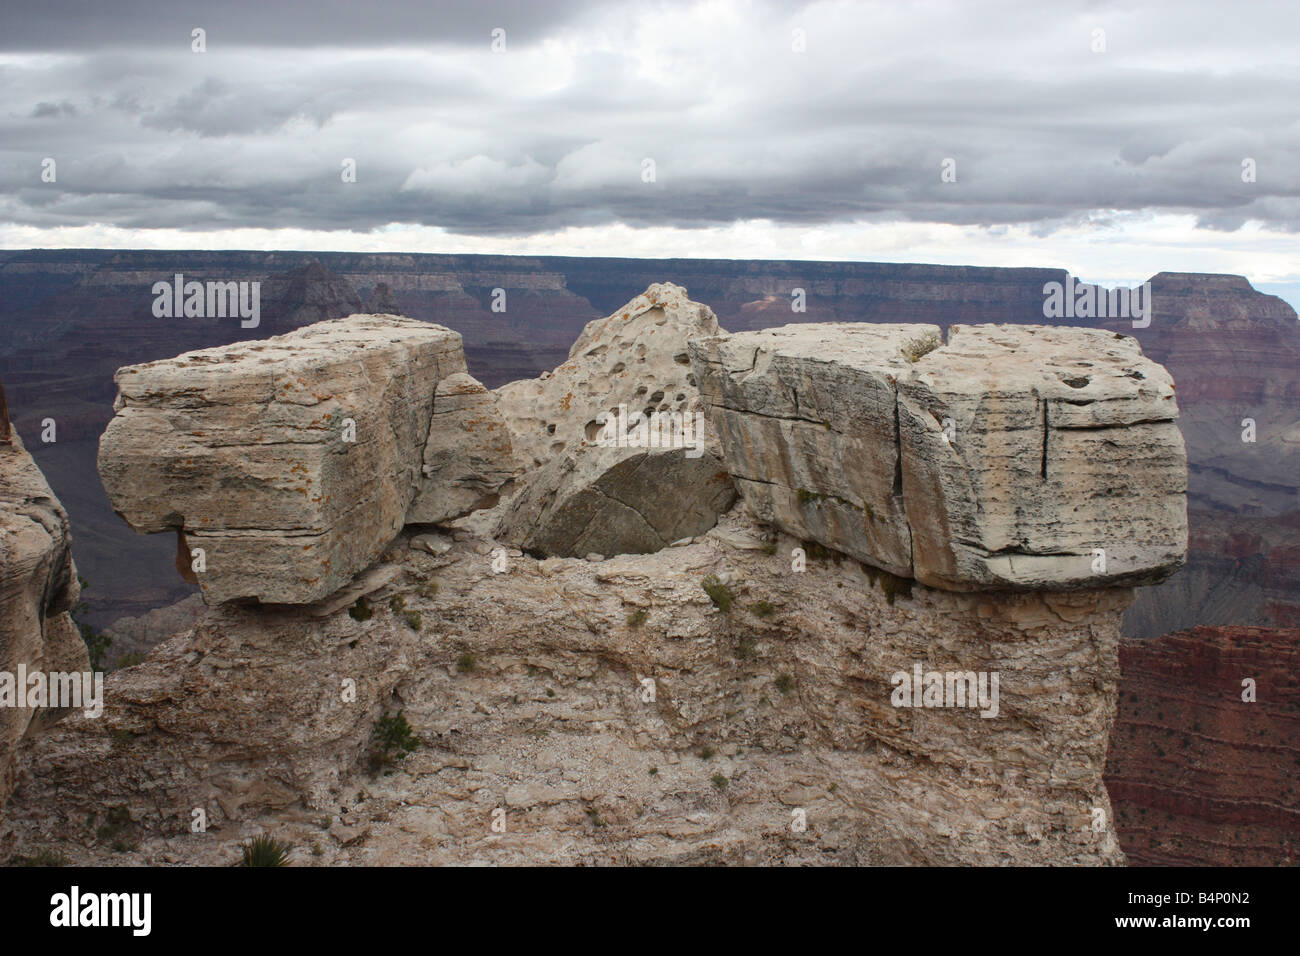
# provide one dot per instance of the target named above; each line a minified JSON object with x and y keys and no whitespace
{"x":1203,"y":757}
{"x":38,"y":589}
{"x":286,"y":465}
{"x":1007,"y":457}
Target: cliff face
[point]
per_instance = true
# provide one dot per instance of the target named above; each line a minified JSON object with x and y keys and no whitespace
{"x":766,"y":691}
{"x":529,"y":689}
{"x":1197,"y":775}
{"x":38,"y":589}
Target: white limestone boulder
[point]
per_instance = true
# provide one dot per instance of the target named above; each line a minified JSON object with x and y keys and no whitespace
{"x":1011,"y":457}
{"x":468,"y":457}
{"x":636,"y":357}
{"x":618,"y":456}
{"x":290,"y":462}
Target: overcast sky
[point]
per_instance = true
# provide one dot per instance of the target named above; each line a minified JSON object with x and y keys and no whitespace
{"x":1114,"y":164}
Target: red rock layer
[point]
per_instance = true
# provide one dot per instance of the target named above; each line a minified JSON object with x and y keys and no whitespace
{"x":1196,"y":775}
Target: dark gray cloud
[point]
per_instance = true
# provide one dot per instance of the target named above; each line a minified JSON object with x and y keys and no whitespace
{"x":555,"y":132}
{"x":89,"y":25}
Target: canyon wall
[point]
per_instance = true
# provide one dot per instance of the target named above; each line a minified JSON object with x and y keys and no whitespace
{"x":1205,"y":754}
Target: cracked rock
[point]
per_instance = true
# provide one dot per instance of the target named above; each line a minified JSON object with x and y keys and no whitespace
{"x":289,"y":464}
{"x":616,"y":501}
{"x":1011,"y":457}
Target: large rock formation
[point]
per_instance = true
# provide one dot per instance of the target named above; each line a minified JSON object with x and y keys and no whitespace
{"x":69,"y":318}
{"x":1012,"y":456}
{"x":635,"y":357}
{"x":741,"y":697}
{"x":611,"y":711}
{"x":603,"y":485}
{"x":38,"y":589}
{"x":1235,"y":355}
{"x":290,"y":463}
{"x":1199,"y":775}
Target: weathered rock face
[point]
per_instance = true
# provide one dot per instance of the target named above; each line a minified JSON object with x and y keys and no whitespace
{"x":617,"y":501}
{"x":38,"y":587}
{"x":1006,"y":458}
{"x":634,"y":357}
{"x":133,"y":637}
{"x":468,"y":457}
{"x":1197,"y":775}
{"x":291,"y":462}
{"x":730,"y":699}
{"x":528,"y":690}
{"x":590,"y":490}
{"x":70,"y":318}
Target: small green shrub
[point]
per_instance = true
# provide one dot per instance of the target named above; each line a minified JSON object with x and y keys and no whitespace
{"x":130,"y":660}
{"x":466,"y":663}
{"x":361,"y":611}
{"x":397,"y":603}
{"x":393,"y":739}
{"x":808,"y":497}
{"x":720,"y":781}
{"x":762,"y":609}
{"x":718,"y":592}
{"x":706,"y":752}
{"x":428,"y":590}
{"x":637,"y":618}
{"x":265,"y":850}
{"x":413,"y":620}
{"x":785,"y":683}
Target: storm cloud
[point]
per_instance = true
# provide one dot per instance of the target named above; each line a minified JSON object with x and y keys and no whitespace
{"x":681,"y":115}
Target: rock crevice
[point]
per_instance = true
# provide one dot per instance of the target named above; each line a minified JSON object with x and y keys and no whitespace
{"x":947,"y":461}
